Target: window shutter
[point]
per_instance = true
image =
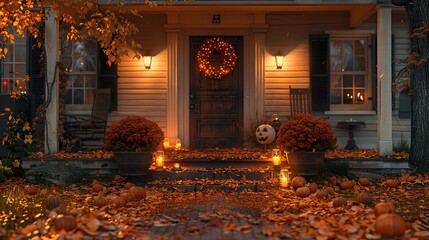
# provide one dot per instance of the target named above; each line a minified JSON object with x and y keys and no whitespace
{"x":319,"y":72}
{"x":373,"y":47}
{"x":108,"y":78}
{"x":35,"y":71}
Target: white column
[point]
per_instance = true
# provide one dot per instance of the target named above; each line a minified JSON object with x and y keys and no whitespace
{"x":172,"y":82}
{"x":384,"y":73}
{"x":259,"y":36}
{"x":52,"y":47}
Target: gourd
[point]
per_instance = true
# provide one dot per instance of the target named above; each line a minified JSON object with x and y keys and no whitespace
{"x":346,"y":185}
{"x":391,"y":183}
{"x":100,"y":201}
{"x":303,"y":192}
{"x":30,"y":190}
{"x":364,"y":198}
{"x":364,"y":182}
{"x":65,"y":223}
{"x":97,"y":188}
{"x":52,"y":202}
{"x":390,"y":225}
{"x":139,"y":192}
{"x":383,"y":208}
{"x":339,"y":201}
{"x":312,"y":187}
{"x":298,"y":182}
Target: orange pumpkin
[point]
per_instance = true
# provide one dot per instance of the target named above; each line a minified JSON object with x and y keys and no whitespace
{"x":339,"y":201}
{"x":52,"y":202}
{"x":128,"y":185}
{"x":391,"y":183}
{"x":65,"y":223}
{"x":119,"y":201}
{"x":97,"y":188}
{"x":330,"y":190}
{"x":298,"y":182}
{"x":390,"y":225}
{"x":312,"y":187}
{"x":364,"y":198}
{"x":364,"y":182}
{"x":303,"y":192}
{"x":30,"y":190}
{"x":100,"y":201}
{"x":321,"y":193}
{"x":384,"y":207}
{"x":128,"y":196}
{"x":346,"y":185}
{"x":139,"y":192}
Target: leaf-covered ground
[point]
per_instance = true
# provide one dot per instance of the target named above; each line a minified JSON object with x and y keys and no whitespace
{"x":276,"y":213}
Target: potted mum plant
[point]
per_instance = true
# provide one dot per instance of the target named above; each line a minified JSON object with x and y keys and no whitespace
{"x":305,"y":139}
{"x":133,"y":140}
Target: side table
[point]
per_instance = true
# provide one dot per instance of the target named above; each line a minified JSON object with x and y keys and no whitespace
{"x":351,"y":125}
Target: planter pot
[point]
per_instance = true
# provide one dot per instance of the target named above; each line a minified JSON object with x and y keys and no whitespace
{"x":306,"y":163}
{"x":133,"y":163}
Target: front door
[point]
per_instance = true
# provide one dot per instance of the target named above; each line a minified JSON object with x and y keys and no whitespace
{"x":216,"y":103}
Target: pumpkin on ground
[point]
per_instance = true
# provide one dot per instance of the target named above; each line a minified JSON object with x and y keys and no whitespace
{"x":364,"y":198}
{"x":100,"y":201}
{"x":383,"y":208}
{"x":313,"y":187}
{"x":391,"y":183}
{"x":390,"y":225}
{"x":65,"y":223}
{"x":347,"y":185}
{"x":330,"y":190}
{"x":128,"y":185}
{"x":364,"y":182}
{"x":139,"y":192}
{"x":30,"y":190}
{"x":52,"y":202}
{"x":128,"y":195}
{"x":298,"y":182}
{"x":321,"y":193}
{"x":303,"y":192}
{"x":118,"y":201}
{"x":97,"y":188}
{"x":339,"y":201}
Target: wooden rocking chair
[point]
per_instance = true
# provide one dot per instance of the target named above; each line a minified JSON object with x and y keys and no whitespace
{"x":94,"y":126}
{"x":300,"y":100}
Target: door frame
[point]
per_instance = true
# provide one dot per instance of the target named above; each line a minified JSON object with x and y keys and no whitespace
{"x":183,"y":75}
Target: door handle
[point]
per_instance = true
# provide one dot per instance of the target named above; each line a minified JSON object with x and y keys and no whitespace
{"x":192,"y":106}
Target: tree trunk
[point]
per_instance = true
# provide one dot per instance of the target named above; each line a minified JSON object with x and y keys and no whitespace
{"x":417,"y":12}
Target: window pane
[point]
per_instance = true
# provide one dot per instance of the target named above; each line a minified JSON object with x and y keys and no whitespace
{"x":78,"y":96}
{"x":20,"y":51}
{"x":348,"y":56}
{"x":68,"y":97}
{"x":336,"y":96}
{"x":89,"y":96}
{"x":347,"y":96}
{"x":360,"y":47}
{"x":360,"y":96}
{"x":78,"y":82}
{"x":335,"y":56}
{"x":359,"y":80}
{"x":348,"y":81}
{"x":90,"y":81}
{"x":360,"y":63}
{"x":20,"y":70}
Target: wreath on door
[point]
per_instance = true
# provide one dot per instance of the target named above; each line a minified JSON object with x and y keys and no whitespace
{"x":204,"y":53}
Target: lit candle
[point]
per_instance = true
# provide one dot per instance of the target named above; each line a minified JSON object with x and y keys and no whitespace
{"x":176,"y":167}
{"x":166,"y":143}
{"x":178,"y":144}
{"x":159,"y":159}
{"x":283,"y":181}
{"x":276,"y":160}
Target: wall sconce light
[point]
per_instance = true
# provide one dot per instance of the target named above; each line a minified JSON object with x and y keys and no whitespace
{"x":279,"y":60}
{"x":275,"y":117}
{"x":147,"y":61}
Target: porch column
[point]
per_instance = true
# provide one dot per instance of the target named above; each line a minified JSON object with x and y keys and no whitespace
{"x":384,"y":74}
{"x":52,"y":46}
{"x":259,"y":31}
{"x":172,"y":31}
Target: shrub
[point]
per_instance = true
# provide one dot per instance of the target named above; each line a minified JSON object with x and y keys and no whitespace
{"x":134,"y":134}
{"x":303,"y":132}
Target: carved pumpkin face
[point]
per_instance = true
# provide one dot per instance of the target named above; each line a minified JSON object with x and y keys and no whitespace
{"x":265,"y":134}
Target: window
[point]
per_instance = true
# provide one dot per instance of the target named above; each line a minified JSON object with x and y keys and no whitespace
{"x":349,"y":73}
{"x":80,"y":59}
{"x":14,"y":67}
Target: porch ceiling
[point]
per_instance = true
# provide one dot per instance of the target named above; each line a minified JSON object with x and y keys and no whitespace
{"x":358,"y":12}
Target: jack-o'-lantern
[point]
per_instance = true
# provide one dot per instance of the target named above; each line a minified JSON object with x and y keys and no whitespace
{"x":265,"y":134}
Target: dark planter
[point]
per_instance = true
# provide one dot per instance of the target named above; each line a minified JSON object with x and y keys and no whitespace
{"x":131,"y":164}
{"x":306,"y":163}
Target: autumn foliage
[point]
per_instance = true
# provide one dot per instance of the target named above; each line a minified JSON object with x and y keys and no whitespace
{"x":134,"y":134}
{"x":303,"y":132}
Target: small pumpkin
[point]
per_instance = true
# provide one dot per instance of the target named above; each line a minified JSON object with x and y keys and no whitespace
{"x":139,"y":192}
{"x":298,"y":182}
{"x":364,"y":198}
{"x":390,"y":225}
{"x":364,"y":182}
{"x":313,"y":187}
{"x":321,"y":193}
{"x":97,"y":188}
{"x":303,"y":192}
{"x":346,"y":185}
{"x":339,"y":201}
{"x":330,"y":190}
{"x":100,"y":201}
{"x":119,"y":201}
{"x":65,"y":223}
{"x":118,"y":178}
{"x":128,"y":195}
{"x":384,"y":207}
{"x":391,"y":183}
{"x":52,"y":202}
{"x":30,"y":190}
{"x":128,"y":185}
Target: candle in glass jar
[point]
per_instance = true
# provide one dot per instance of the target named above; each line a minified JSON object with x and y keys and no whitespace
{"x":276,"y":160}
{"x":283,"y":181}
{"x":166,"y":143}
{"x":159,"y":162}
{"x":176,"y":167}
{"x":178,"y":144}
